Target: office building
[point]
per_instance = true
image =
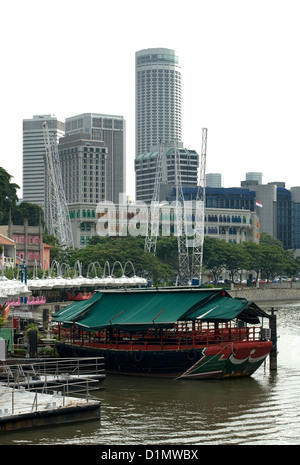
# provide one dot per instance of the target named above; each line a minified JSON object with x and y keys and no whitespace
{"x":146,"y":165}
{"x":112,"y":131}
{"x":83,"y":167}
{"x":158,"y":98}
{"x":230,"y":213}
{"x":254,"y":176}
{"x":213,"y":180}
{"x":34,"y":155}
{"x":295,"y":192}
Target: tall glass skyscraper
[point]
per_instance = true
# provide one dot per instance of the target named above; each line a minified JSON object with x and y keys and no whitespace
{"x":158,"y":98}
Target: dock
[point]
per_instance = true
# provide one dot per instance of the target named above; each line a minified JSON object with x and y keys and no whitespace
{"x":48,"y":393}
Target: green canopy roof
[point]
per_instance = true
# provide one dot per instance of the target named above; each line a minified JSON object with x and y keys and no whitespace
{"x":140,"y":309}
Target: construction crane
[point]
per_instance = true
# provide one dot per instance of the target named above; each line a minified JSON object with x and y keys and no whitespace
{"x":153,"y":225}
{"x":180,"y":225}
{"x":197,"y":256}
{"x":56,"y":211}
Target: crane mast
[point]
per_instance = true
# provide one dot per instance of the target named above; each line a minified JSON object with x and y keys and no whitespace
{"x":180,"y":226}
{"x":57,"y":217}
{"x":153,"y":224}
{"x":197,"y":256}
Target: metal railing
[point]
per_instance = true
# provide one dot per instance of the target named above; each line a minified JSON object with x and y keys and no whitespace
{"x":27,"y":387}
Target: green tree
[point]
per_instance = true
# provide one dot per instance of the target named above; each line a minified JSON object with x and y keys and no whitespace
{"x":234,"y":259}
{"x":123,"y":249}
{"x":252,"y":257}
{"x":8,"y":195}
{"x":214,"y":256}
{"x":32,"y":212}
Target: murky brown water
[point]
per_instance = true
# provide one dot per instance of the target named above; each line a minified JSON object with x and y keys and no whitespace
{"x":263,"y":409}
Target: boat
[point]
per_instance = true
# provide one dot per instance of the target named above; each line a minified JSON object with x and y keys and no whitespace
{"x":169,"y":332}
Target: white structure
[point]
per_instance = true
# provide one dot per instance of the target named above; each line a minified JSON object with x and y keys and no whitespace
{"x":55,"y":205}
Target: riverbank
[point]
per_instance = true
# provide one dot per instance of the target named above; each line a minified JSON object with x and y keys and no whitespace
{"x":271,"y":292}
{"x":268,"y":292}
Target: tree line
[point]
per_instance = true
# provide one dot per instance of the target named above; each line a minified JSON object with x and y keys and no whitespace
{"x":266,"y":258}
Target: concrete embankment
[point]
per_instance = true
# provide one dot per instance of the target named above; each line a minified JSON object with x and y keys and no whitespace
{"x":269,"y":292}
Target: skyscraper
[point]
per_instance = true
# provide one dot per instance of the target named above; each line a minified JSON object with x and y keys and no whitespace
{"x":158,"y":98}
{"x":213,"y":180}
{"x":112,"y":131}
{"x":34,"y":155}
{"x":83,"y":163}
{"x":254,"y":176}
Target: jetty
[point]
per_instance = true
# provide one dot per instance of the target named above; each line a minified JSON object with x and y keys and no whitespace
{"x":41,"y":393}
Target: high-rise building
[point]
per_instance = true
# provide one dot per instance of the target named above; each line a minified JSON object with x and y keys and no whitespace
{"x":213,"y":180}
{"x":112,"y":131}
{"x":146,"y":168}
{"x":34,"y":155}
{"x":254,"y":176}
{"x":83,"y":167}
{"x":158,"y":98}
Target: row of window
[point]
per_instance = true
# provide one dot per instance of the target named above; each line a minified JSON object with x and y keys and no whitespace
{"x":222,"y":231}
{"x":83,"y":214}
{"x":106,"y":123}
{"x":22,"y":239}
{"x":226,"y":219}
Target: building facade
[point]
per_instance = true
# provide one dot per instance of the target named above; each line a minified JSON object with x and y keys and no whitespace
{"x":254,"y":176}
{"x":230,"y":213}
{"x":112,"y":131}
{"x":146,"y":165}
{"x":34,"y":155}
{"x":28,"y":242}
{"x":213,"y":180}
{"x":83,"y":165}
{"x":83,"y":222}
{"x":295,"y":192}
{"x":158,"y":98}
{"x":276,"y":212}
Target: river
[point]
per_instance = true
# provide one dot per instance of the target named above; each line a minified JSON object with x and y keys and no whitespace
{"x":261,"y":410}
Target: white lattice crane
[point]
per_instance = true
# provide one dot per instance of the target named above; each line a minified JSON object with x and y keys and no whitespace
{"x":56,"y":211}
{"x":197,"y":256}
{"x":180,"y":225}
{"x":153,"y":222}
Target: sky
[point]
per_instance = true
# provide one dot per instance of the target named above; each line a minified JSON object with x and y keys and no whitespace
{"x":240,"y":75}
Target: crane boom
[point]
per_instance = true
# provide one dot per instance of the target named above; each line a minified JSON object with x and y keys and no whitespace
{"x":57,"y":216}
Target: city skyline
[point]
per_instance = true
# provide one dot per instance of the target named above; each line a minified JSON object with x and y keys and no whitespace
{"x":239,"y":76}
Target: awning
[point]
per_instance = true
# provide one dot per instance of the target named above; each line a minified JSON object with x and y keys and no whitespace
{"x":140,"y":309}
{"x":69,"y":314}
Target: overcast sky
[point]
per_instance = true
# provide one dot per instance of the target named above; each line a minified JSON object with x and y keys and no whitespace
{"x":240,"y":75}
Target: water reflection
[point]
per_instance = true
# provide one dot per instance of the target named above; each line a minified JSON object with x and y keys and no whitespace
{"x":263,"y":409}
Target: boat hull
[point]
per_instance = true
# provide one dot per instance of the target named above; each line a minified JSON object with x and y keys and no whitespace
{"x":225,"y":360}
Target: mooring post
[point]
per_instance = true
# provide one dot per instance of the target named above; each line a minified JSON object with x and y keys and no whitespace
{"x":273,"y":353}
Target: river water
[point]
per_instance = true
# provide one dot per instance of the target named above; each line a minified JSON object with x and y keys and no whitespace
{"x":261,"y":410}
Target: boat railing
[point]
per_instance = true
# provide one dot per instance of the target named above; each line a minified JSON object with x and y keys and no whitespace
{"x":184,"y":335}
